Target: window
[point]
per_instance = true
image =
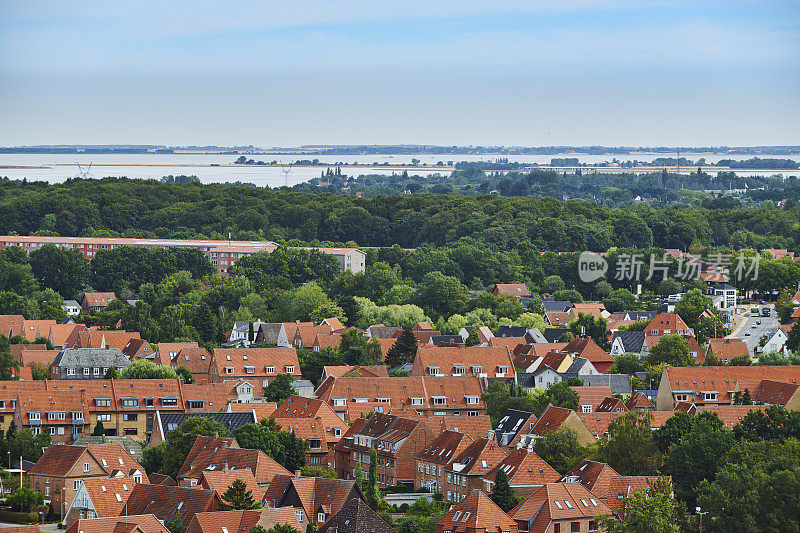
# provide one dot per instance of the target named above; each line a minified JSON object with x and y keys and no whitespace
{"x":96,"y":371}
{"x":35,"y":416}
{"x":682,"y":397}
{"x":169,"y":401}
{"x":471,"y":400}
{"x":47,"y":491}
{"x":85,"y":467}
{"x":586,"y":408}
{"x":439,"y":400}
{"x":77,"y":415}
{"x":337,"y":432}
{"x":592,"y":525}
{"x":710,"y":396}
{"x":289,"y":369}
{"x":568,"y":504}
{"x":102,"y":402}
{"x":458,"y":370}
{"x":477,"y":369}
{"x":52,"y":430}
{"x":70,"y":371}
{"x":416,"y":401}
{"x":575,"y":527}
{"x":558,"y":504}
{"x":320,"y":517}
{"x":472,"y":413}
{"x":85,"y":371}
{"x":229,"y":370}
{"x":339,"y":402}
{"x":269,"y":369}
{"x":456,"y":516}
{"x":196,"y":404}
{"x":250,"y":369}
{"x":130,"y":402}
{"x":104,"y":418}
{"x":76,"y":484}
{"x":59,"y":415}
{"x":130,"y":431}
{"x":149,"y":402}
{"x":556,"y":528}
{"x":502,"y":369}
{"x":130,"y":417}
{"x":433,"y":370}
{"x":466,"y":516}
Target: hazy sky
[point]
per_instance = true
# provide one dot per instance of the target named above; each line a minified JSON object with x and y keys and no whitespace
{"x":281,"y":73}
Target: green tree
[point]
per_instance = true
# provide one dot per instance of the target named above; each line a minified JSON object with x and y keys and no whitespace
{"x":629,"y":447}
{"x":692,"y":305}
{"x":145,"y":369}
{"x":472,"y":339}
{"x":99,"y":430}
{"x":9,"y":366}
{"x":502,"y":494}
{"x":112,"y":373}
{"x":267,"y":436}
{"x":774,"y":422}
{"x":277,"y":528}
{"x":560,"y":449}
{"x":793,"y":340}
{"x":24,"y":498}
{"x":356,"y":349}
{"x":317,"y":471}
{"x":404,"y":349}
{"x":175,"y":524}
{"x":653,"y":510}
{"x":184,"y":374}
{"x":40,"y":371}
{"x":500,"y":396}
{"x":672,"y":430}
{"x":672,"y":350}
{"x":181,"y":439}
{"x":437,"y":291}
{"x":238,"y":497}
{"x":552,"y":284}
{"x":61,"y":269}
{"x":558,"y":395}
{"x":627,"y":363}
{"x":589,"y":326}
{"x":371,"y":490}
{"x":620,"y":300}
{"x":279,"y":389}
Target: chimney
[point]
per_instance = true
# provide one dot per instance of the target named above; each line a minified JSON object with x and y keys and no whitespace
{"x":225,"y":467}
{"x":216,"y":434}
{"x":297,"y":473}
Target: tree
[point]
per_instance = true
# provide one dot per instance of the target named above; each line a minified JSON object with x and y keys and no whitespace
{"x":144,"y":369}
{"x":371,"y":491}
{"x":645,"y":511}
{"x":267,"y":436}
{"x":692,"y":305}
{"x":277,"y":528}
{"x":184,"y":374}
{"x":175,"y":524}
{"x":741,"y":360}
{"x":437,"y":291}
{"x":589,"y":326}
{"x":552,"y":284}
{"x":40,"y":371}
{"x":560,"y":449}
{"x":627,"y":363}
{"x":357,"y":349}
{"x":672,"y":430}
{"x":502,"y":494}
{"x":99,"y":430}
{"x":774,"y":422}
{"x":24,"y":498}
{"x":61,"y":269}
{"x":472,"y":339}
{"x":620,"y":300}
{"x":746,"y":398}
{"x":500,"y":396}
{"x":9,"y":367}
{"x":404,"y":349}
{"x":558,"y":395}
{"x":182,"y":438}
{"x":672,"y":350}
{"x":358,"y":475}
{"x":793,"y":340}
{"x":317,"y":471}
{"x":629,"y":447}
{"x":112,"y":373}
{"x":238,"y":497}
{"x":280,"y":389}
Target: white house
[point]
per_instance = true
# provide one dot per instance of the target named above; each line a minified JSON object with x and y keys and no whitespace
{"x":71,"y":307}
{"x":776,"y":342}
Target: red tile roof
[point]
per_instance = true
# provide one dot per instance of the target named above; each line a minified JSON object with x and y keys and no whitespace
{"x":592,"y":395}
{"x":117,"y":524}
{"x":512,"y":289}
{"x":444,"y":448}
{"x":208,"y":453}
{"x":58,"y":460}
{"x":588,"y":349}
{"x":257,"y":358}
{"x":114,"y":457}
{"x":776,"y":392}
{"x":104,"y":491}
{"x":551,"y":420}
{"x":541,"y":508}
{"x":220,"y":480}
{"x":723,"y":379}
{"x":524,"y":468}
{"x":638,"y":401}
{"x":171,"y":502}
{"x":612,"y":405}
{"x":238,"y":521}
{"x":38,"y":357}
{"x":621,"y":487}
{"x":669,"y":321}
{"x":474,"y":513}
{"x":301,"y":407}
{"x":478,"y":458}
{"x":592,"y":475}
{"x":727,"y":349}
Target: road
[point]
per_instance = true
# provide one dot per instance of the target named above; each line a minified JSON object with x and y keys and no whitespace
{"x":767,"y":326}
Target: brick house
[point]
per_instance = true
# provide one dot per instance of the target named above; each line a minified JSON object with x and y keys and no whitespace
{"x":479,"y":361}
{"x":434,"y":459}
{"x":241,"y":521}
{"x":526,"y":472}
{"x":259,"y":364}
{"x":559,"y":508}
{"x":476,"y":514}
{"x":62,"y":414}
{"x":314,"y":500}
{"x":96,"y":301}
{"x":210,"y":454}
{"x":171,"y":503}
{"x":465,"y":473}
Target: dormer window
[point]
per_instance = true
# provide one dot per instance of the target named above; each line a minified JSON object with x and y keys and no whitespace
{"x":502,"y":370}
{"x":458,"y":370}
{"x":433,"y":370}
{"x":439,"y":400}
{"x":269,"y":369}
{"x":477,"y":369}
{"x":229,"y":370}
{"x":416,"y":401}
{"x":289,"y":369}
{"x":710,"y":396}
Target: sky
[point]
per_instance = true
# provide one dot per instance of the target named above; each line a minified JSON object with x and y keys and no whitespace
{"x":458,"y":72}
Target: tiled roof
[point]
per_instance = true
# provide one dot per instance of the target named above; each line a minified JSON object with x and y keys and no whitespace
{"x":114,"y":457}
{"x":557,"y":318}
{"x":592,"y":395}
{"x":474,"y":426}
{"x":137,"y":347}
{"x":727,"y":349}
{"x":61,"y":334}
{"x":588,"y":349}
{"x":262,"y":409}
{"x":557,"y":501}
{"x":624,"y":486}
{"x":300,"y":407}
{"x":619,"y":383}
{"x":215,"y":396}
{"x":309,"y":429}
{"x":444,"y":448}
{"x":512,"y":289}
{"x":169,"y":503}
{"x":307,"y":334}
{"x":211,"y":456}
{"x":219,"y":480}
{"x":730,"y":414}
{"x":37,"y":357}
{"x":355,"y":517}
{"x":508,"y":342}
{"x":57,"y":460}
{"x":474,"y":513}
{"x":612,"y":405}
{"x":776,"y":392}
{"x":31,"y":329}
{"x":728,"y":378}
{"x":197,"y":360}
{"x":103,"y":493}
{"x":512,"y":424}
{"x":117,"y":524}
{"x":161,"y":479}
{"x":551,"y":420}
{"x":98,"y":299}
{"x":102,"y":338}
{"x":9,"y":323}
{"x":478,"y":458}
{"x":638,"y":401}
{"x":344,"y":371}
{"x":257,"y":358}
{"x":323,"y":341}
{"x":44,"y":401}
{"x":165,"y":351}
{"x":632,"y":341}
{"x":554,"y":359}
{"x":592,"y":475}
{"x":238,"y":521}
{"x":670,"y":321}
{"x":524,"y":467}
{"x":315,"y":493}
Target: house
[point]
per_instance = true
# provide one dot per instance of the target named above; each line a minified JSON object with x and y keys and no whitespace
{"x":61,"y":414}
{"x":96,"y":301}
{"x":454,"y":395}
{"x":102,"y":338}
{"x":446,"y":340}
{"x":165,"y":423}
{"x":476,"y":514}
{"x":619,"y":383}
{"x":137,"y":349}
{"x":355,"y":517}
{"x":287,"y":332}
{"x":667,"y":324}
{"x":244,"y":332}
{"x":129,"y":524}
{"x":9,"y":391}
{"x":260,"y":410}
{"x":511,"y":425}
{"x":541,"y":378}
{"x":71,"y":307}
{"x":729,"y":414}
{"x":314,"y":500}
{"x":622,"y":487}
{"x":221,"y":480}
{"x":550,"y":304}
{"x":508,"y":342}
{"x":213,"y":454}
{"x":379,"y":331}
{"x":511,"y":331}
{"x":86,"y":363}
{"x":432,"y":461}
{"x":37,"y":357}
{"x":776,"y":341}
{"x":639,"y":400}
{"x":559,"y":508}
{"x":166,"y":352}
{"x":623,"y":342}
{"x":177,"y":504}
{"x":588,"y":349}
{"x":580,"y":367}
{"x":481,"y":361}
{"x":612,"y":405}
{"x":315,"y":422}
{"x":196,"y":360}
{"x":304,"y":336}
{"x":724,"y":296}
{"x":714,"y":385}
{"x":590,"y":398}
{"x":99,"y":498}
{"x":474,"y":427}
{"x":553,"y":418}
{"x":61,"y":470}
{"x":727,"y":349}
{"x":778,"y":393}
{"x":596,"y":310}
{"x":394,"y":438}
{"x":258,"y":364}
{"x":525,"y":470}
{"x":465,"y":473}
{"x":558,"y":360}
{"x":344,"y":371}
{"x":238,"y":521}
{"x":605,"y":483}
{"x":484,"y":333}
{"x":517,"y":290}
{"x":332,"y":340}
{"x":162,"y":479}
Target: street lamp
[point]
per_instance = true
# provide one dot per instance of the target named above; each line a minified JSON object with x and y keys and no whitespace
{"x":697,"y":510}
{"x":9,"y":461}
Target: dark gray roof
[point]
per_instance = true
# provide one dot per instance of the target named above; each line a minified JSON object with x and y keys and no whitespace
{"x":439,"y":340}
{"x":71,"y":303}
{"x":632,"y":341}
{"x":553,"y":334}
{"x":383,"y":332}
{"x":575,"y":367}
{"x":512,"y":331}
{"x":554,"y":305}
{"x":271,"y":331}
{"x":510,"y":424}
{"x":619,"y":383}
{"x":642,"y":315}
{"x":85,"y":357}
{"x":356,"y":516}
{"x":231,"y":421}
{"x":405,"y":367}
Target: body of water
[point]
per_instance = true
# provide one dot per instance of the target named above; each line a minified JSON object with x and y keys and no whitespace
{"x":56,"y":168}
